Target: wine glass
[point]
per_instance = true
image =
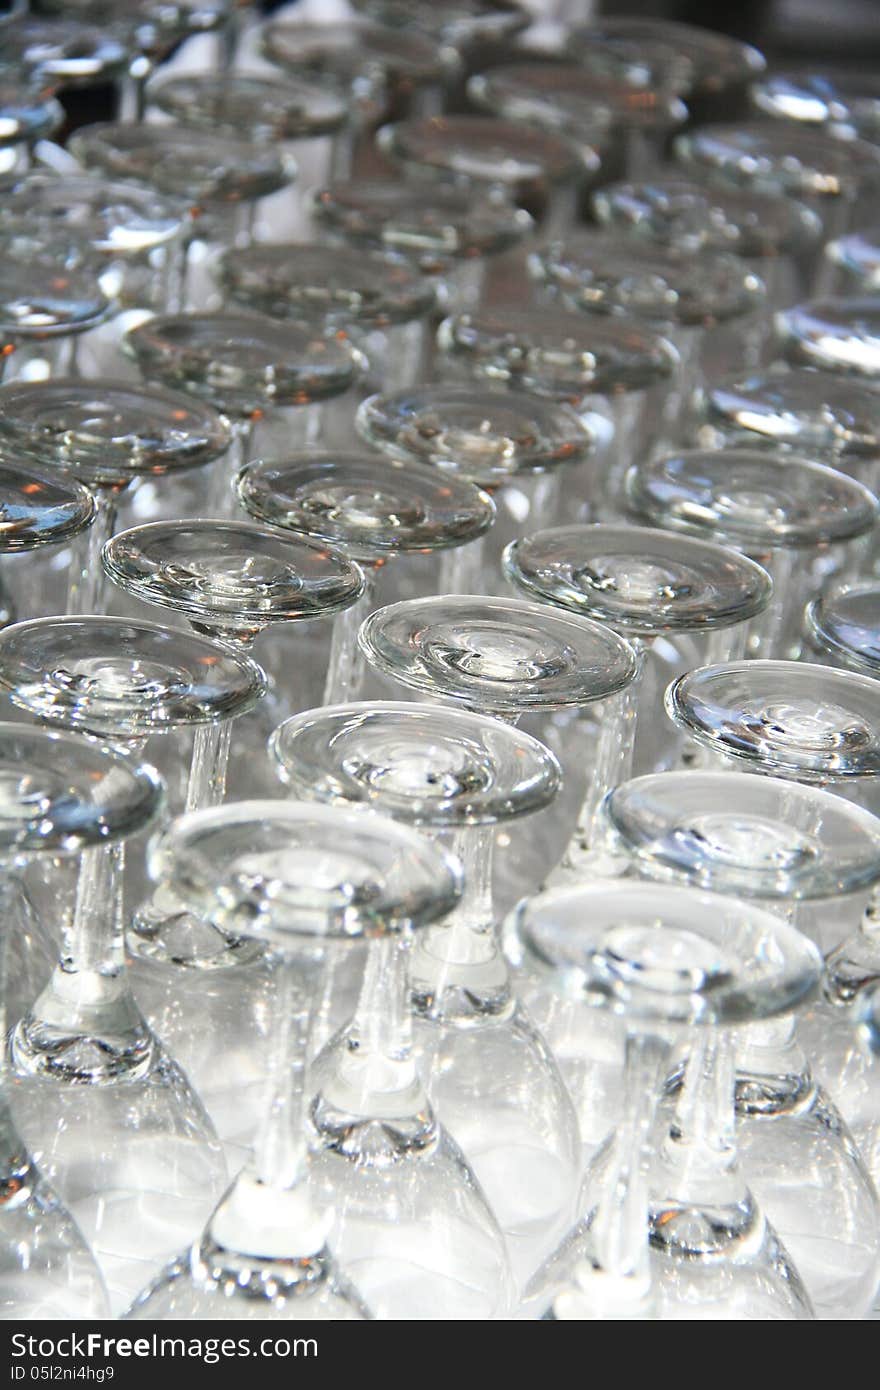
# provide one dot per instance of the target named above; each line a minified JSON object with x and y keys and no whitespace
{"x":373,"y":509}
{"x":112,"y":435}
{"x":299,"y":119}
{"x":599,"y":366}
{"x":304,"y":879}
{"x":221,"y":179}
{"x":52,"y":290}
{"x":674,"y":1233}
{"x":685,"y":293}
{"x":844,"y":101}
{"x":782,"y":509}
{"x":797,"y":850}
{"x":826,"y":417}
{"x":246,"y":366}
{"x":232,"y":581}
{"x":586,"y":107}
{"x":63,"y":796}
{"x":839,"y":335}
{"x":788,"y":719}
{"x":771,"y":234}
{"x":109,"y":1115}
{"x":518,"y":450}
{"x":646,"y":585}
{"x":537,"y":169}
{"x":135,"y":231}
{"x":461,"y":23}
{"x":489,"y":1072}
{"x":373,"y":67}
{"x":686,"y":57}
{"x":29,"y":112}
{"x":39,"y":510}
{"x":827,"y":174}
{"x":449,"y":235}
{"x":381,"y":301}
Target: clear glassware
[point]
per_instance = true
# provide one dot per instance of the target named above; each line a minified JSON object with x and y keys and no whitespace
{"x":460,"y":23}
{"x":53,"y":289}
{"x":136,"y":232}
{"x":599,"y":366}
{"x":672,"y":1232}
{"x":373,"y":509}
{"x":232,"y":581}
{"x":38,"y":509}
{"x":380,"y":300}
{"x":829,"y":175}
{"x":838,"y":335}
{"x":512,"y":659}
{"x":843,"y":625}
{"x":800,"y":852}
{"x":539,"y":170}
{"x":29,"y":113}
{"x":447,"y":234}
{"x":62,"y":797}
{"x":782,"y":509}
{"x":791,"y":719}
{"x":587,"y":108}
{"x":852,"y":263}
{"x":644,"y":584}
{"x":812,"y":412}
{"x":771,"y":234}
{"x":686,"y":57}
{"x":489,"y":1072}
{"x":220,"y":179}
{"x":65,"y":52}
{"x":111,"y":435}
{"x":305,"y":880}
{"x":247,"y":366}
{"x":373,"y":66}
{"x":518,"y":450}
{"x":842,"y":100}
{"x":302,"y":120}
{"x":684,"y":293}
{"x":109,"y":1115}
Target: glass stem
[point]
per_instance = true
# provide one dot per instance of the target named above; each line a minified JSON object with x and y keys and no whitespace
{"x":699,"y":1151}
{"x":772,"y":630}
{"x":269,"y":1211}
{"x":345,"y":669}
{"x":87,"y":581}
{"x":617,"y":1282}
{"x":375,"y":1073}
{"x":207,"y":774}
{"x":458,"y":973}
{"x":221,"y":500}
{"x":88,"y":996}
{"x":462,"y":569}
{"x":613,"y":764}
{"x":628,"y":415}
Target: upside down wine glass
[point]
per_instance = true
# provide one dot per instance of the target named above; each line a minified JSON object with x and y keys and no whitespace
{"x":61,"y":796}
{"x":373,"y":510}
{"x":517,"y":450}
{"x":109,"y":1114}
{"x":775,"y":507}
{"x":112,"y":436}
{"x":247,"y":367}
{"x":644,"y":584}
{"x":231,"y":580}
{"x":671,"y":1230}
{"x":37,"y":511}
{"x":598,"y":365}
{"x":489,"y":1072}
{"x":305,"y":880}
{"x":795,"y":850}
{"x":843,"y":626}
